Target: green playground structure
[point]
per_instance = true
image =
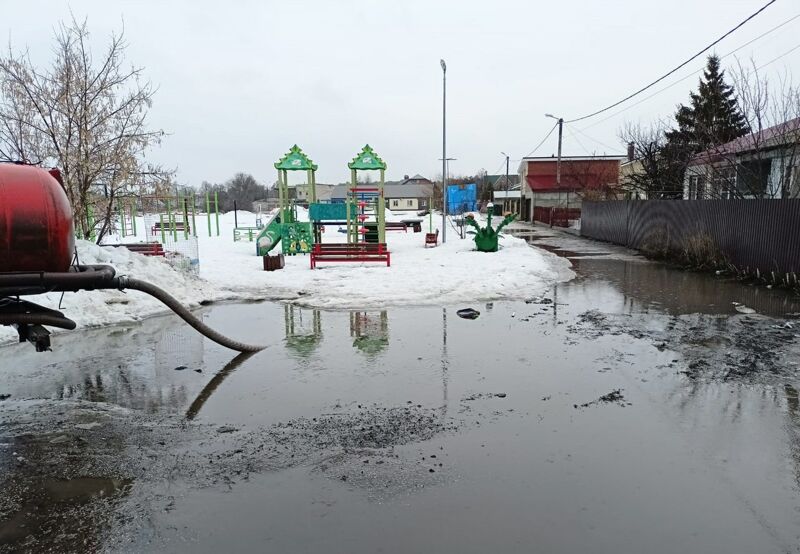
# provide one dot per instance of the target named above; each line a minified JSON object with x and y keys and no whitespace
{"x":363,"y":213}
{"x":294,"y":236}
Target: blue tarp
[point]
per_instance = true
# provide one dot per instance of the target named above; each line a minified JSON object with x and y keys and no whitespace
{"x":462,"y":198}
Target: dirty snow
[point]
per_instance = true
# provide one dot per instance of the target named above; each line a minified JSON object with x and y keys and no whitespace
{"x":450,"y":273}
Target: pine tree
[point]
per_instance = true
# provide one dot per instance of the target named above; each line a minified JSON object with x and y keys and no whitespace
{"x":713,"y":116}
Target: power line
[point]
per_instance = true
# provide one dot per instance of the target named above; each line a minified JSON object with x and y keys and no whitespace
{"x":603,"y":144}
{"x":550,"y":132}
{"x":779,"y":57}
{"x":569,"y":130}
{"x":695,"y":56}
{"x":693,"y":73}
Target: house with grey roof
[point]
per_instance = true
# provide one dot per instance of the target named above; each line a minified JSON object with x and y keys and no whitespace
{"x":402,"y":196}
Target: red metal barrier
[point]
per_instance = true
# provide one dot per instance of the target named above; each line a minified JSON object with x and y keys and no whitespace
{"x":557,"y":217}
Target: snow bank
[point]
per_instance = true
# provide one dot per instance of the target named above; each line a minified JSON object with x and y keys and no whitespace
{"x":449,"y":273}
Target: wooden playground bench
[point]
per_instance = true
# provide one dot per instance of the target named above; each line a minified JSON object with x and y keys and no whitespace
{"x":396,"y":226}
{"x":144,"y":248}
{"x":345,"y":252}
{"x":178,"y":226}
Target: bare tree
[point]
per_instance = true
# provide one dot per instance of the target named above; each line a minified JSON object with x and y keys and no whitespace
{"x":656,"y":170}
{"x":763,"y":162}
{"x":85,"y":115}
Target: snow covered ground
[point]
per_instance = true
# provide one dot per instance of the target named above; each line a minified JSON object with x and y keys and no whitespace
{"x":450,"y":273}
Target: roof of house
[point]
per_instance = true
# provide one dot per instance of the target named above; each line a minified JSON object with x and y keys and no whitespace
{"x":513,"y":178}
{"x":783,"y":134}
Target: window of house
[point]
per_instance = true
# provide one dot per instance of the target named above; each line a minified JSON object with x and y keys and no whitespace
{"x":697,"y":186}
{"x":409,"y":203}
{"x":395,"y":203}
{"x":723,"y":182}
{"x":753,"y":177}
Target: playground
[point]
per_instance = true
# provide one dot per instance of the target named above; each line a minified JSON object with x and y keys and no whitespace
{"x":355,"y":255}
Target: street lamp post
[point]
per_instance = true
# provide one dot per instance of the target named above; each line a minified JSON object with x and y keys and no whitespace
{"x":506,"y":200}
{"x":558,"y":161}
{"x":444,"y":151}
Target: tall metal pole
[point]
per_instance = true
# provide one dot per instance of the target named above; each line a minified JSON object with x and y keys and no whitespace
{"x":506,"y":176}
{"x":558,"y":161}
{"x":444,"y":151}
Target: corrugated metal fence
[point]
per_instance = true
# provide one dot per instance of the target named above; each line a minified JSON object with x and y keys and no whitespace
{"x":753,"y":234}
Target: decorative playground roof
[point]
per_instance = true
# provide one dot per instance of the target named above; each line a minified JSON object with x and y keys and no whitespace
{"x":367,"y":159}
{"x":295,"y":159}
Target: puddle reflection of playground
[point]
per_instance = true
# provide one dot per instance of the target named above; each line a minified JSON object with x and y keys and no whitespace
{"x":303,"y":330}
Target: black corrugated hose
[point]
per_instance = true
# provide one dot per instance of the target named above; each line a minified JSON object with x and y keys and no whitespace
{"x":172,"y":303}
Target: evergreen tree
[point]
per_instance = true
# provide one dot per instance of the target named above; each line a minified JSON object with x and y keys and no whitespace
{"x":713,"y":116}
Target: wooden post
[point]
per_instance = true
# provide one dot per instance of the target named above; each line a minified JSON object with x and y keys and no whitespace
{"x":380,"y":212}
{"x":161,"y":227}
{"x":216,"y":209}
{"x":194,"y":224}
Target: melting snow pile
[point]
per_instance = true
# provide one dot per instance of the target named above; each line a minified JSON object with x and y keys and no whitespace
{"x":450,"y":273}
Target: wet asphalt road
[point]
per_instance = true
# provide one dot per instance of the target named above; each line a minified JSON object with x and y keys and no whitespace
{"x":632,"y":409}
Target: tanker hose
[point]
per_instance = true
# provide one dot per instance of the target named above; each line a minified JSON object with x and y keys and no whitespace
{"x":172,"y":303}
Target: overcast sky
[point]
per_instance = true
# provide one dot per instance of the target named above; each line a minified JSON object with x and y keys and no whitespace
{"x":241,"y":81}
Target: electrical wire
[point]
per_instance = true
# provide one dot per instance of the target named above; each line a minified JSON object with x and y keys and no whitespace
{"x":683,"y":64}
{"x":693,"y":73}
{"x":603,"y":144}
{"x":779,"y":57}
{"x":547,"y":136}
{"x":576,"y":139}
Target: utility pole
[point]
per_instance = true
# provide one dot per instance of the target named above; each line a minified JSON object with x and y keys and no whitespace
{"x":444,"y":151}
{"x":506,"y":200}
{"x":558,"y":161}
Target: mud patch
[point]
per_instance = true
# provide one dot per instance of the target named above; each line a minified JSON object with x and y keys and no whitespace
{"x":613,"y":397}
{"x":752,"y":348}
{"x":382,"y":474}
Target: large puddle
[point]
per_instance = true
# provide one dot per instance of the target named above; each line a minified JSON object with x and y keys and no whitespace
{"x":532,"y":428}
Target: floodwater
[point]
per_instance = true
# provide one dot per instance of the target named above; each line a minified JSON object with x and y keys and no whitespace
{"x":632,"y":409}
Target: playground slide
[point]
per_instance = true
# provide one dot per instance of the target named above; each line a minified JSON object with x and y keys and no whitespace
{"x":270,"y":236}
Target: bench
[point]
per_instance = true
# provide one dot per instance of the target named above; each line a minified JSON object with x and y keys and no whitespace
{"x":249,"y":233}
{"x":178,"y":226}
{"x":432,"y":238}
{"x":396,"y":226}
{"x":415,"y":224}
{"x":146,"y":249}
{"x":353,"y":253}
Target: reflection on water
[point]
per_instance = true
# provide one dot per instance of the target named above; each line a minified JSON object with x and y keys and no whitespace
{"x":215,"y":382}
{"x":150,"y":367}
{"x":605,"y":270}
{"x":370,"y":332}
{"x":303,"y":329}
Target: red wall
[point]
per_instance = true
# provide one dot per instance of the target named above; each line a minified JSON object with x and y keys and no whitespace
{"x":575,"y":174}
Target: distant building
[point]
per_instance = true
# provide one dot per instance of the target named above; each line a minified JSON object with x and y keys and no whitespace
{"x":508,"y":200}
{"x":415,"y":180}
{"x":302,"y":193}
{"x":498,"y":182}
{"x":757,"y":165}
{"x":399,"y":196}
{"x":581,"y":177}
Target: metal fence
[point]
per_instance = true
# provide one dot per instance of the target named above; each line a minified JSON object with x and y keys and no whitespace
{"x":761,"y":235}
